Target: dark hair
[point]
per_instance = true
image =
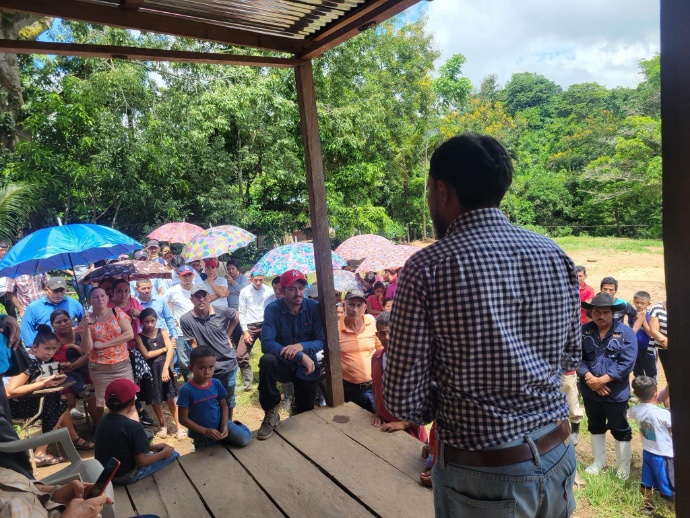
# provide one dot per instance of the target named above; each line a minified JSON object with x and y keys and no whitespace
{"x":379,"y":284}
{"x":177,"y":261}
{"x":276,"y":280}
{"x":201,"y":352}
{"x":3,"y":244}
{"x":370,"y":277}
{"x":117,"y":282}
{"x":43,"y":334}
{"x":148,"y":312}
{"x":233,"y":262}
{"x":609,"y":280}
{"x":386,"y":301}
{"x":57,"y":313}
{"x":642,"y":295}
{"x":143,"y":281}
{"x":581,"y":269}
{"x":115,"y":405}
{"x":477,"y":167}
{"x":384,"y":319}
{"x":644,"y":388}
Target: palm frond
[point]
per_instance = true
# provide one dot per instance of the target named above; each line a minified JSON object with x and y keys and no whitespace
{"x":17,"y":200}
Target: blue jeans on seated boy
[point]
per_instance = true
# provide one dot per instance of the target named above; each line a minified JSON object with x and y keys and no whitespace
{"x":238,"y":435}
{"x":144,"y":471}
{"x":540,"y":487}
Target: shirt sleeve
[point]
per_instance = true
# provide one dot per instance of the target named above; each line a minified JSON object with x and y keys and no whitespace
{"x":407,"y":389}
{"x":184,"y":398}
{"x":222,"y":393}
{"x":631,"y":312}
{"x":27,"y":330}
{"x":242,"y":310}
{"x":269,"y":332}
{"x":572,"y":350}
{"x":169,"y":321}
{"x":140,"y":443}
{"x":186,"y":328}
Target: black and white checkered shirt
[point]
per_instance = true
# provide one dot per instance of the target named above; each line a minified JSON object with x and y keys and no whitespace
{"x":484,"y":323}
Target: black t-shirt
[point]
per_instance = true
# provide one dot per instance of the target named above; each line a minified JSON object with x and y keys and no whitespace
{"x":120,"y":437}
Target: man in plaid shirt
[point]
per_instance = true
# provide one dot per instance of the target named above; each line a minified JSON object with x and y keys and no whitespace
{"x":23,"y":290}
{"x":485,"y":321}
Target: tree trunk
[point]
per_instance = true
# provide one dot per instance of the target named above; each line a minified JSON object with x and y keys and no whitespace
{"x":11,"y":99}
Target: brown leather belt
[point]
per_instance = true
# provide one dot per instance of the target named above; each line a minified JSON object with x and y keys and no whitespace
{"x":507,"y":456}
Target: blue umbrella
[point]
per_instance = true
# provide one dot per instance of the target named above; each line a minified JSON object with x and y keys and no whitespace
{"x":296,"y":256}
{"x":60,"y":248}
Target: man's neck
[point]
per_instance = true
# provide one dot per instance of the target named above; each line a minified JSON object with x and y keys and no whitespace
{"x":186,"y":288}
{"x":208,"y":312}
{"x":145,"y":300}
{"x":293,"y":309}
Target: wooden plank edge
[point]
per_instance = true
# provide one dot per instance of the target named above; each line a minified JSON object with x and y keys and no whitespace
{"x":144,"y":54}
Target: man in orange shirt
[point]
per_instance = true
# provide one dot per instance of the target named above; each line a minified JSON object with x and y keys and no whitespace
{"x":357,"y":336}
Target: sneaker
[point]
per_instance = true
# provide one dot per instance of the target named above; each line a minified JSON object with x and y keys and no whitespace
{"x":271,"y":420}
{"x":76,"y":415}
{"x":145,"y":419}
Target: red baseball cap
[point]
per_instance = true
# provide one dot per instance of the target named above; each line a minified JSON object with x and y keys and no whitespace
{"x":122,"y":389}
{"x":211,"y":262}
{"x":291,"y":277}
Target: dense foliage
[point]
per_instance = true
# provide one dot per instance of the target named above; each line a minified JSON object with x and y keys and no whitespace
{"x":134,"y":144}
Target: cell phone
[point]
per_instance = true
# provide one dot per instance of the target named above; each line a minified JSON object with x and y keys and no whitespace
{"x":104,"y":479}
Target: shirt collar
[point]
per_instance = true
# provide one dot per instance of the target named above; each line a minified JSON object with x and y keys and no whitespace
{"x":490,"y":217}
{"x":211,"y":312}
{"x":285,"y":309}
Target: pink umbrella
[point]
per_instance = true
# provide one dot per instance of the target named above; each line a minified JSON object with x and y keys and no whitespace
{"x":178,"y":232}
{"x":362,"y":246}
{"x":393,"y":256}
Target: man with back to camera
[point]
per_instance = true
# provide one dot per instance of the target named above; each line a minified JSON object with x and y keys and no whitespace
{"x":484,"y":323}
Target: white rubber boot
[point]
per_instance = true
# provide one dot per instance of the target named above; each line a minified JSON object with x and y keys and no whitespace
{"x":599,"y":454}
{"x":623,"y":456}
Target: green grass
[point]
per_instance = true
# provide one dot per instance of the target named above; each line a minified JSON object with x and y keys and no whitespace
{"x":573,"y":243}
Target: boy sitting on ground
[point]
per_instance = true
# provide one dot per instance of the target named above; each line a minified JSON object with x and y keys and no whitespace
{"x":657,"y":445}
{"x":383,"y":419}
{"x":645,"y":365}
{"x":202,"y":406}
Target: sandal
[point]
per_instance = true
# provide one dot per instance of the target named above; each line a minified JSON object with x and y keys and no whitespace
{"x":47,"y":460}
{"x":162,"y":433}
{"x":83,"y":444}
{"x":182,"y":434}
{"x":425,"y":478}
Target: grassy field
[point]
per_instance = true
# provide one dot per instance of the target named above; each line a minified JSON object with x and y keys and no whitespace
{"x":646,"y":246}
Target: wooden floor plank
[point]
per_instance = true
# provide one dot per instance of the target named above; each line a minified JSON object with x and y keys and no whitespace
{"x":296,"y":485}
{"x":123,"y":507}
{"x":224,"y":484}
{"x":399,"y":449}
{"x":169,"y":494}
{"x":381,"y":486}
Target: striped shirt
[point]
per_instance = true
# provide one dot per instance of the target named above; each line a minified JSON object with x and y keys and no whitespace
{"x":484,"y":322}
{"x":658,"y":311}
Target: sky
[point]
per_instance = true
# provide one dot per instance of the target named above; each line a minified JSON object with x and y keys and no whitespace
{"x":567,"y":41}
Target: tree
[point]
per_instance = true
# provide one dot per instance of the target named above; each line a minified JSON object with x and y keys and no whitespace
{"x":528,"y":90}
{"x":450,"y":86}
{"x":16,"y":203}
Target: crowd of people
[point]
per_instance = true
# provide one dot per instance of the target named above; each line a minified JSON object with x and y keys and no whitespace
{"x":491,"y":334}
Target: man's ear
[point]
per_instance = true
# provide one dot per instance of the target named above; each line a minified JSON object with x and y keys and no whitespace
{"x":443,"y":192}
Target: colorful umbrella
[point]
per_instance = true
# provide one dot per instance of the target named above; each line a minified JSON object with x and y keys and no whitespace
{"x":216,"y":241}
{"x":296,"y":256}
{"x":391,"y":257}
{"x":362,"y":246}
{"x":344,"y":281}
{"x":129,"y":270}
{"x":178,"y":232}
{"x":63,"y":247}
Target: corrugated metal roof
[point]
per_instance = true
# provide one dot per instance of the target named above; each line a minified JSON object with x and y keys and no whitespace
{"x":287,"y":18}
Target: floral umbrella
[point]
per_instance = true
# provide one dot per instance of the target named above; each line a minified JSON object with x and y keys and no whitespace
{"x":296,"y":256}
{"x":177,"y":232}
{"x":216,"y":241}
{"x":344,"y":281}
{"x":393,"y":256}
{"x":129,"y":270}
{"x":362,"y":246}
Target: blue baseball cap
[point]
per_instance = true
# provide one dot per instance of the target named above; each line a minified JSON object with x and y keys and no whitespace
{"x":185,"y":270}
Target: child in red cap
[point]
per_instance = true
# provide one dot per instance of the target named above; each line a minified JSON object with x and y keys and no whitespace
{"x":121,"y":437}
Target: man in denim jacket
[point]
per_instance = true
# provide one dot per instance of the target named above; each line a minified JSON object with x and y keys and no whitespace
{"x":291,"y":336}
{"x":609,"y":350}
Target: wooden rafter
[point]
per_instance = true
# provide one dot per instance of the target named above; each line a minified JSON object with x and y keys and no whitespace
{"x":112,"y":51}
{"x":352,"y":24}
{"x":153,"y":22}
{"x":132,"y":5}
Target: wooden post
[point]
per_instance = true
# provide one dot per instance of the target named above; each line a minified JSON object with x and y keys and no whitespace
{"x":318,"y":211}
{"x":675,"y":136}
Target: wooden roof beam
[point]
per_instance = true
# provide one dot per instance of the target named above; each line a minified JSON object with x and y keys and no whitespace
{"x":153,"y":22}
{"x":132,"y":5}
{"x":143,"y":54}
{"x":352,"y":24}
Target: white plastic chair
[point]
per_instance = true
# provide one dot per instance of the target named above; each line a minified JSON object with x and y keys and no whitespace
{"x":86,"y":470}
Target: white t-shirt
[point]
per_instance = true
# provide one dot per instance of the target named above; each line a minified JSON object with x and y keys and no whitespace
{"x":181,"y":303}
{"x":654,"y":423}
{"x":221,"y":282}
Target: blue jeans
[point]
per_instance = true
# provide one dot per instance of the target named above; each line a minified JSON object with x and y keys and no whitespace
{"x":238,"y":435}
{"x":144,"y":471}
{"x":540,"y":487}
{"x":361,"y":397}
{"x":183,"y":350}
{"x":229,"y":380}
